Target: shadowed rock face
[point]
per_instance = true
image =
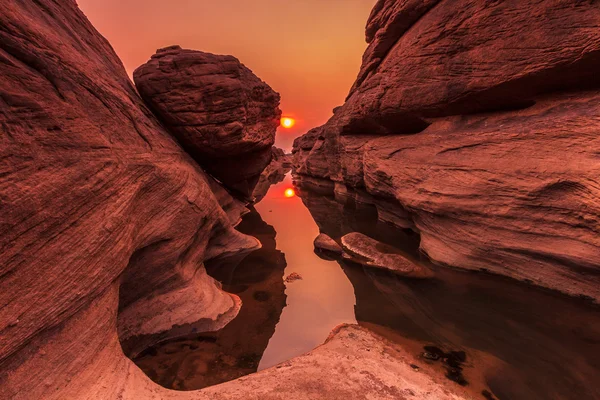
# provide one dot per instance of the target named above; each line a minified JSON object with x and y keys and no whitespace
{"x":220,"y":112}
{"x":280,"y":165}
{"x":479,"y":120}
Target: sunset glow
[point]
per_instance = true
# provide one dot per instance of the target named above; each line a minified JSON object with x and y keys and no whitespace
{"x":312,"y":69}
{"x":289,"y":193}
{"x":288,"y":122}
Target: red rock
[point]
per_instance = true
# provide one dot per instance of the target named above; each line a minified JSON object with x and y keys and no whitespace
{"x":438,"y":58}
{"x":514,"y":191}
{"x":324,"y":242}
{"x":104,"y":226}
{"x":105,"y":221}
{"x":220,"y":112}
{"x":369,"y":252}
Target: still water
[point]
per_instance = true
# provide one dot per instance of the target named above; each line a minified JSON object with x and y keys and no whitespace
{"x":520,"y":342}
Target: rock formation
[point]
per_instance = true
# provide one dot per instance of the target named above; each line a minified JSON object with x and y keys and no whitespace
{"x":220,"y":112}
{"x":369,"y":252}
{"x":105,"y":225}
{"x":478,"y":121}
{"x":203,"y":359}
{"x":100,"y":209}
{"x":326,"y":243}
{"x":490,"y":318}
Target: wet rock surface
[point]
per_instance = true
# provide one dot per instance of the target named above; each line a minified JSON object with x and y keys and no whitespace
{"x":452,"y":360}
{"x":364,"y":250}
{"x":293,"y":277}
{"x":220,"y":112}
{"x":478,"y":121}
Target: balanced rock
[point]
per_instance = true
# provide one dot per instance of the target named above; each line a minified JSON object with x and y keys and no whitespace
{"x":222,"y":114}
{"x":372,"y":253}
{"x":324,"y":242}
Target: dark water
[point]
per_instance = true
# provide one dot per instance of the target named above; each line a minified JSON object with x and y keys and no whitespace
{"x":519,"y":342}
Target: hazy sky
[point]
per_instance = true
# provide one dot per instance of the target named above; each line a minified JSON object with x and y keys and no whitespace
{"x":307,"y":50}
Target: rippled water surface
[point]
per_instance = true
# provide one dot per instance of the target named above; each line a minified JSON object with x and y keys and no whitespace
{"x":519,"y":342}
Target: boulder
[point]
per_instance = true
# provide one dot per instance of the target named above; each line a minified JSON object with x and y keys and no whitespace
{"x":222,"y":114}
{"x":478,"y":120}
{"x":369,"y":252}
{"x":324,"y":242}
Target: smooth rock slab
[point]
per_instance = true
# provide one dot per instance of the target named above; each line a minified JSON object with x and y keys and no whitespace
{"x":324,"y":242}
{"x":372,"y":253}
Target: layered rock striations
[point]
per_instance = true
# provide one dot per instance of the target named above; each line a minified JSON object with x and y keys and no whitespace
{"x":105,"y":226}
{"x":479,"y":121}
{"x":105,"y":221}
{"x":220,"y":112}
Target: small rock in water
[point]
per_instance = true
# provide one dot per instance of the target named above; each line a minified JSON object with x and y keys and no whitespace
{"x":293,"y":277}
{"x":369,"y":252}
{"x":324,"y":242}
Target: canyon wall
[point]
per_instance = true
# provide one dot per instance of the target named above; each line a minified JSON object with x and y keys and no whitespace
{"x":105,"y":225}
{"x":477,"y":124}
{"x":96,"y":197}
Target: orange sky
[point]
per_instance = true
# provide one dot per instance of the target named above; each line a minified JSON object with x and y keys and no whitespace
{"x":307,"y":50}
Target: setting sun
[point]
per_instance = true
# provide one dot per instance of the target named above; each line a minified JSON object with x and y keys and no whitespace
{"x":288,"y":122}
{"x":289,"y":193}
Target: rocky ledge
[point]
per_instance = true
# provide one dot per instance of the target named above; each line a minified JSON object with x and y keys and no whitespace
{"x":220,"y":112}
{"x":477,"y":122}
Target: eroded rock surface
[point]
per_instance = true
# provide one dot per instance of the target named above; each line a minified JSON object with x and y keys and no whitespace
{"x":100,"y":209}
{"x":220,"y":112}
{"x":192,"y":361}
{"x":479,"y":122}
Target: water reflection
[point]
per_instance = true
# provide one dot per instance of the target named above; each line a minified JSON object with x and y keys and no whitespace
{"x":519,"y":342}
{"x":200,"y":360}
{"x":323,"y":299}
{"x":524,"y":342}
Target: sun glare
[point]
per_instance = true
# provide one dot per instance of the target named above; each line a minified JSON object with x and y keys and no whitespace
{"x":288,"y":122}
{"x":289,"y":193}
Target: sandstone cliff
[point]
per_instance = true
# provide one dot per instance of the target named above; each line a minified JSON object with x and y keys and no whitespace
{"x":476,"y":123}
{"x":96,"y":197}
